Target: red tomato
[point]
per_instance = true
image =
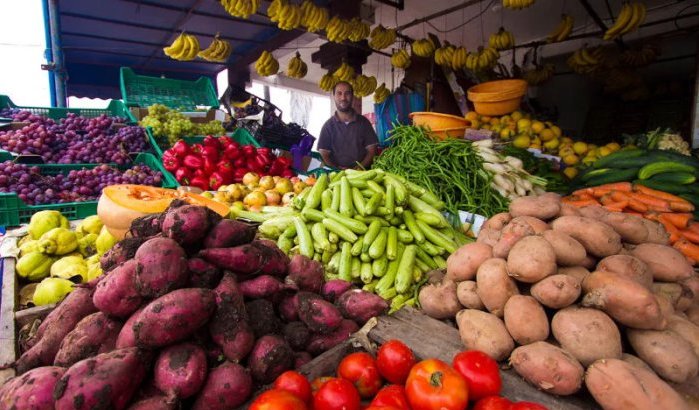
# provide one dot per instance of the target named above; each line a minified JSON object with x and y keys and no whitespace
{"x":527,"y":405}
{"x":492,"y":403}
{"x":360,"y":369}
{"x":336,"y":394}
{"x":318,"y":382}
{"x":276,"y":399}
{"x":433,"y":385}
{"x":391,"y":396}
{"x":394,"y":360}
{"x":480,"y":371}
{"x":382,"y":408}
{"x":295,"y":383}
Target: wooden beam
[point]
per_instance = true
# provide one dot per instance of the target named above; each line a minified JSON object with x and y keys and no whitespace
{"x":438,"y":14}
{"x":225,"y":16}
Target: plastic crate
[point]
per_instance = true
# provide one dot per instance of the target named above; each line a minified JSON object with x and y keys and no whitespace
{"x":13,"y":211}
{"x":115,"y":108}
{"x":143,"y":91}
{"x":240,"y":135}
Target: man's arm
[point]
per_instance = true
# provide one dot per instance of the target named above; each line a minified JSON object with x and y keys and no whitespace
{"x":369,"y":157}
{"x":327,"y":158}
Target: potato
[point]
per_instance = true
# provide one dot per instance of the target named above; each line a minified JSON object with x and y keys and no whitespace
{"x":497,"y":221}
{"x":511,"y":234}
{"x":438,"y":300}
{"x":629,"y":266}
{"x":693,"y":314}
{"x":548,"y":367}
{"x":666,"y":263}
{"x":569,"y":252}
{"x":656,"y":232}
{"x":598,"y":238}
{"x":531,"y":259}
{"x":636,"y":362}
{"x":463,"y":264}
{"x":666,"y":308}
{"x":542,"y":206}
{"x":679,"y":295}
{"x":666,"y":352}
{"x":619,"y":385}
{"x":594,"y":212}
{"x":630,"y":227}
{"x":485,"y":332}
{"x":488,"y":236}
{"x":578,"y":272}
{"x":687,"y":331}
{"x":494,"y":285}
{"x":589,"y":262}
{"x":556,"y":291}
{"x":537,"y":224}
{"x":624,"y":300}
{"x":467,"y":293}
{"x":526,"y":320}
{"x":588,"y":334}
{"x":693,"y":284}
{"x":569,"y":210}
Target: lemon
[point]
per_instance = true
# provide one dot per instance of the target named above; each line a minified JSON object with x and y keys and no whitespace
{"x":486,"y":127}
{"x":589,"y":160}
{"x":538,"y":126}
{"x":522,"y":141}
{"x":535,"y":146}
{"x":553,"y":144}
{"x":505,"y":118}
{"x":546,"y":134}
{"x":614,"y":146}
{"x":591,"y":147}
{"x":566,"y":140}
{"x":604,"y":151}
{"x":495,"y":121}
{"x":556,"y":130}
{"x":571,"y":159}
{"x":475,"y":124}
{"x":565,"y":152}
{"x":570,"y":172}
{"x":471,"y":116}
{"x":580,"y":148}
{"x":516,"y":115}
{"x":536,"y":141}
{"x":524,"y":125}
{"x":506,"y":134}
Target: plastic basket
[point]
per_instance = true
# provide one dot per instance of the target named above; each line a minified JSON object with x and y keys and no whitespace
{"x":13,"y":211}
{"x":143,"y":91}
{"x":240,"y":135}
{"x":115,"y":108}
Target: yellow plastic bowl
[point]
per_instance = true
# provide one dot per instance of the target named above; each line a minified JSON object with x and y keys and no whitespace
{"x":497,"y":97}
{"x":446,"y":133}
{"x":437,"y":121}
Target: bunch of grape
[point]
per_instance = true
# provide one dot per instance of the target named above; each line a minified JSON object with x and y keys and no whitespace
{"x":8,"y":112}
{"x":169,"y":125}
{"x":210,"y":128}
{"x":77,"y":186}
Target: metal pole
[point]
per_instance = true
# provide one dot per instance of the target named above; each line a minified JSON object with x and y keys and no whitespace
{"x":48,"y":52}
{"x":58,"y":71}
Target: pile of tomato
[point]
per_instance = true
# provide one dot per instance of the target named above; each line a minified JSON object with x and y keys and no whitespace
{"x":360,"y":384}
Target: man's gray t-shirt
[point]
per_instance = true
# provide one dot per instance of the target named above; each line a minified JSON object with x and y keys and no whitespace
{"x":347,"y":142}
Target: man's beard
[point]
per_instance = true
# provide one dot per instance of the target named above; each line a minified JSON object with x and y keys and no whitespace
{"x":346,"y":109}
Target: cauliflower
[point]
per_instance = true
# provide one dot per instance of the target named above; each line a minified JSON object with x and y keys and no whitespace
{"x":674,"y":142}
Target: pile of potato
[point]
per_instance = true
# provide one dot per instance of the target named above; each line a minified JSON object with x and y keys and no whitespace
{"x":590,"y":296}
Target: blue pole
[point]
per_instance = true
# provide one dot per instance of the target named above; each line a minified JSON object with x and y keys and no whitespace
{"x":48,"y":53}
{"x":59,"y":71}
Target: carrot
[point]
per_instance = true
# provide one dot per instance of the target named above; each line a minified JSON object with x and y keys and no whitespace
{"x":580,"y":204}
{"x":658,"y":194}
{"x":681,"y":206}
{"x":582,"y":191}
{"x":618,"y":196}
{"x":670,"y":228}
{"x":693,"y":226}
{"x":616,"y":186}
{"x":583,"y":197}
{"x":680,"y":220}
{"x":653,"y":216}
{"x":637,"y":205}
{"x":627,"y":212}
{"x":690,"y":236}
{"x":600,"y":192}
{"x":651,"y":201}
{"x":688,"y":249}
{"x":607,"y":199}
{"x":616,"y":206}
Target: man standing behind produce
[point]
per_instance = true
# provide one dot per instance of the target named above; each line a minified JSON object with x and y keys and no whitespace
{"x":347,"y":139}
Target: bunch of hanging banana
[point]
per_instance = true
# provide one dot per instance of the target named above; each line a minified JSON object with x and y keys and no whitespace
{"x":400,"y":59}
{"x":517,"y":4}
{"x":314,"y":18}
{"x":585,"y":61}
{"x":381,"y":93}
{"x":297,"y":68}
{"x":345,"y":72}
{"x":562,"y":30}
{"x":327,"y":82}
{"x":184,"y":48}
{"x":218,"y":51}
{"x":444,"y":55}
{"x":423,"y":47}
{"x":630,"y":17}
{"x":619,"y":80}
{"x":338,"y":29}
{"x":640,"y":58}
{"x":363,"y":85}
{"x":458,"y":60}
{"x":482,"y":60}
{"x":241,"y":8}
{"x":274,"y":8}
{"x":289,"y":17}
{"x":381,"y":37}
{"x":502,"y":40}
{"x":539,"y":75}
{"x":266,"y":64}
{"x":358,"y":30}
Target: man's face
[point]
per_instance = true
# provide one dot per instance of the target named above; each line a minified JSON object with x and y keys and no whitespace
{"x":343,"y":98}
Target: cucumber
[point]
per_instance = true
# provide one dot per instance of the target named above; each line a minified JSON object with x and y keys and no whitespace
{"x":616,"y":175}
{"x":611,"y":159}
{"x":682,"y":178}
{"x":675,"y":157}
{"x":662,"y":167}
{"x":596,"y":173}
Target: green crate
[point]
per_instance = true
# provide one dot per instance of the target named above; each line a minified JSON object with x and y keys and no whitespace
{"x":143,"y":91}
{"x":13,"y":211}
{"x":240,"y":135}
{"x":115,"y":108}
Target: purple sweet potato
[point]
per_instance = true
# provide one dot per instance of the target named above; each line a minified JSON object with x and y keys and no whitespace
{"x":332,"y":290}
{"x":146,"y":226}
{"x":180,"y":370}
{"x":121,"y":252}
{"x":228,"y":233}
{"x":116,"y":294}
{"x":227,"y":387}
{"x":289,"y":308}
{"x":228,"y":326}
{"x":322,"y":342}
{"x":203,"y":274}
{"x":108,"y":380}
{"x":249,"y":259}
{"x":55,"y":327}
{"x":297,"y":335}
{"x":162,"y":267}
{"x":361,"y":306}
{"x":306,"y":273}
{"x":270,"y":357}
{"x":154,"y":403}
{"x":187,"y":224}
{"x":263,"y":320}
{"x":301,"y":358}
{"x":127,"y":337}
{"x":173,"y":317}
{"x":317,"y":313}
{"x":32,"y":390}
{"x":262,"y":286}
{"x":94,"y":334}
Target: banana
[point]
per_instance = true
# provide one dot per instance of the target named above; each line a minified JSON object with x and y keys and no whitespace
{"x":638,"y":16}
{"x":444,"y":55}
{"x":381,"y":93}
{"x":517,"y":4}
{"x":241,"y":8}
{"x":266,"y":64}
{"x":176,"y":47}
{"x":501,"y":40}
{"x":459,"y":59}
{"x":381,"y":37}
{"x":423,"y":47}
{"x":345,"y":72}
{"x":274,"y":9}
{"x":568,"y":24}
{"x":400,"y":59}
{"x":327,"y":82}
{"x":297,"y":68}
{"x":539,"y":75}
{"x":620,"y":23}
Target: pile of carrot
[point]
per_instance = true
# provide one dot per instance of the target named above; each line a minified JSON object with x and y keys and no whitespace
{"x":673,"y":212}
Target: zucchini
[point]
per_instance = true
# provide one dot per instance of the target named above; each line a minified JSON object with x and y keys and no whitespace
{"x":662,"y":167}
{"x":616,"y":175}
{"x":596,"y":173}
{"x":682,"y":178}
{"x":675,"y":157}
{"x":610,"y":160}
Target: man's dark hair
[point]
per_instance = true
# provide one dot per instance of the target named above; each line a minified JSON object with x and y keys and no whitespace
{"x":343,"y":82}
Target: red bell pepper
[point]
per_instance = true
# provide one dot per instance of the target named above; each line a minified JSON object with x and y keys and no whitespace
{"x":183,"y":175}
{"x":200,"y":182}
{"x":225,"y":168}
{"x":286,"y":162}
{"x":193,"y":161}
{"x":249,"y":151}
{"x":180,"y":149}
{"x":170,"y":162}
{"x":210,"y":153}
{"x":239,"y":163}
{"x":262,"y":162}
{"x":267,"y":152}
{"x":225,"y":141}
{"x":231,"y":152}
{"x":254,"y":166}
{"x":216,"y":180}
{"x":211,"y":141}
{"x":288,"y":173}
{"x":239,"y":173}
{"x":197,"y":149}
{"x":208,"y":166}
{"x":200,"y":173}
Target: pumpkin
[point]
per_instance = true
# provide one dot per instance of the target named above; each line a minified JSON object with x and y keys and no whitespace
{"x":119,"y":205}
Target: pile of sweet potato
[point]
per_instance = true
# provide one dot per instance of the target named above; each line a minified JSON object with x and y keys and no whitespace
{"x":576,"y":297}
{"x":191,"y":312}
